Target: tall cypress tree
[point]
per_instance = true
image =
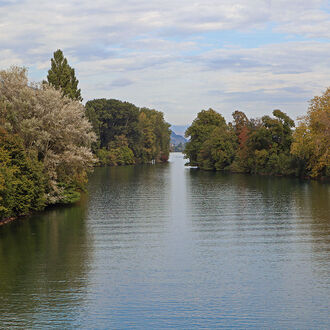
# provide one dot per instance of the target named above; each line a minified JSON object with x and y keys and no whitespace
{"x":62,"y":76}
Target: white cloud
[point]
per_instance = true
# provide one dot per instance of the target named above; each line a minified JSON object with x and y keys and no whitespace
{"x":155,"y":53}
{"x":8,"y":58}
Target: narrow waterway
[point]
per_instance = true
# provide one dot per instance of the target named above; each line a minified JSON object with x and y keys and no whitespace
{"x":162,"y":246}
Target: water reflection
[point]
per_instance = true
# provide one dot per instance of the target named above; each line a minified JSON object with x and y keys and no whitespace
{"x":129,"y":198}
{"x":43,"y":268}
{"x":266,"y":237}
{"x":168,"y":246}
{"x":313,"y":207}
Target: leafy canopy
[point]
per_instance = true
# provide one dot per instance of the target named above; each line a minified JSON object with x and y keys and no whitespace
{"x":53,"y":129}
{"x":128,"y":134}
{"x":312,"y":137}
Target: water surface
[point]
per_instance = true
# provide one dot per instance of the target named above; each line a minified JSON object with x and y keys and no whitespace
{"x":162,"y":246}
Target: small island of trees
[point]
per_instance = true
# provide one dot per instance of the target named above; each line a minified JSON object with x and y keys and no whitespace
{"x":267,"y":145}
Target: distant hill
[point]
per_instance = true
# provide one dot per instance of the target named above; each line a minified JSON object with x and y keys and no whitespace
{"x":178,"y":142}
{"x":179,"y":129}
{"x":177,"y":139}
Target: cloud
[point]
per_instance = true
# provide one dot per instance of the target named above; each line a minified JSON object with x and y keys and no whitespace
{"x":115,"y":83}
{"x":283,"y":58}
{"x":8,"y":58}
{"x":170,"y":55}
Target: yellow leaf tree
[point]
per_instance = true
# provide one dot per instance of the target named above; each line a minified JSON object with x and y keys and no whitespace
{"x":312,"y":137}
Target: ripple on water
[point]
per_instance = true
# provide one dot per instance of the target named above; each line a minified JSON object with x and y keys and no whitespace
{"x":168,"y":246}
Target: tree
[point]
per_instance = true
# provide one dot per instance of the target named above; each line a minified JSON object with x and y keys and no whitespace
{"x":240,"y":121}
{"x":156,"y":134}
{"x":311,"y":143}
{"x":112,"y":118}
{"x":54,"y":130}
{"x":269,"y":145}
{"x":145,"y":131}
{"x":242,"y":128}
{"x":212,"y":142}
{"x":199,"y":132}
{"x":62,"y":76}
{"x":147,"y":141}
{"x":22,"y":185}
{"x":218,"y":150}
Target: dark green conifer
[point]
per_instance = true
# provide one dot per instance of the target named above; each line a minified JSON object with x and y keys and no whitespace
{"x":62,"y":76}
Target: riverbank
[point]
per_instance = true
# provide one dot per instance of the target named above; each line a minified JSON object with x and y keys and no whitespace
{"x":7,"y":220}
{"x":322,"y":179}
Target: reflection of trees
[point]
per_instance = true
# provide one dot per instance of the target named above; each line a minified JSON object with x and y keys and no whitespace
{"x":130,"y":192}
{"x":129,"y":208}
{"x":43,"y":260}
{"x":259,"y":209}
{"x":240,"y":195}
{"x":250,"y":202}
{"x":313,"y":205}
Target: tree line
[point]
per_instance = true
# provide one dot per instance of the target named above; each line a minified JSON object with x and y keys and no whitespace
{"x":127,"y":134}
{"x":49,"y":141}
{"x":267,"y":145}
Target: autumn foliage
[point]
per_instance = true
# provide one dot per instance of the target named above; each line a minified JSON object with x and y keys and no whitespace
{"x":267,"y":145}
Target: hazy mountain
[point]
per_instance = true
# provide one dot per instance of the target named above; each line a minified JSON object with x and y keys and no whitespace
{"x":179,"y":129}
{"x":176,"y":139}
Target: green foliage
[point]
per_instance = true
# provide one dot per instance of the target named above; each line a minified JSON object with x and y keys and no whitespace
{"x":69,"y":193}
{"x":62,"y":76}
{"x":155,"y":133}
{"x":112,"y":118}
{"x":252,"y":146}
{"x":218,"y":151}
{"x":311,"y":145}
{"x":269,"y":145}
{"x":22,"y":185}
{"x":200,"y":131}
{"x":127,"y":134}
{"x":118,"y":153}
{"x":212,"y":142}
{"x":45,"y":143}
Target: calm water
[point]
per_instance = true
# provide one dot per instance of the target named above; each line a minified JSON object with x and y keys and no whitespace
{"x":168,"y":246}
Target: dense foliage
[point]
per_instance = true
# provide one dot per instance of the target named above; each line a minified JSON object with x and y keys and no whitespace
{"x":127,"y":134}
{"x":311,"y":143}
{"x":63,"y":77}
{"x":22,"y":186}
{"x":212,"y":142}
{"x":45,"y":143}
{"x":268,"y":145}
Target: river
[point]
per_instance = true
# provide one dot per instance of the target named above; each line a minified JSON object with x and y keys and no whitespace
{"x":166,"y":246}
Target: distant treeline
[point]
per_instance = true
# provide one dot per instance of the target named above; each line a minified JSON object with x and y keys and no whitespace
{"x":178,"y":142}
{"x":178,"y":148}
{"x":127,"y":134}
{"x":267,"y":145}
{"x":49,"y":141}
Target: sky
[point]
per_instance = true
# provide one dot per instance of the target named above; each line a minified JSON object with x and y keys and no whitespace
{"x":178,"y":56}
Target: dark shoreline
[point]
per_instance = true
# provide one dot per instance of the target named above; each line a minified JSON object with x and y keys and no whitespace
{"x":8,"y":220}
{"x":322,"y":179}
